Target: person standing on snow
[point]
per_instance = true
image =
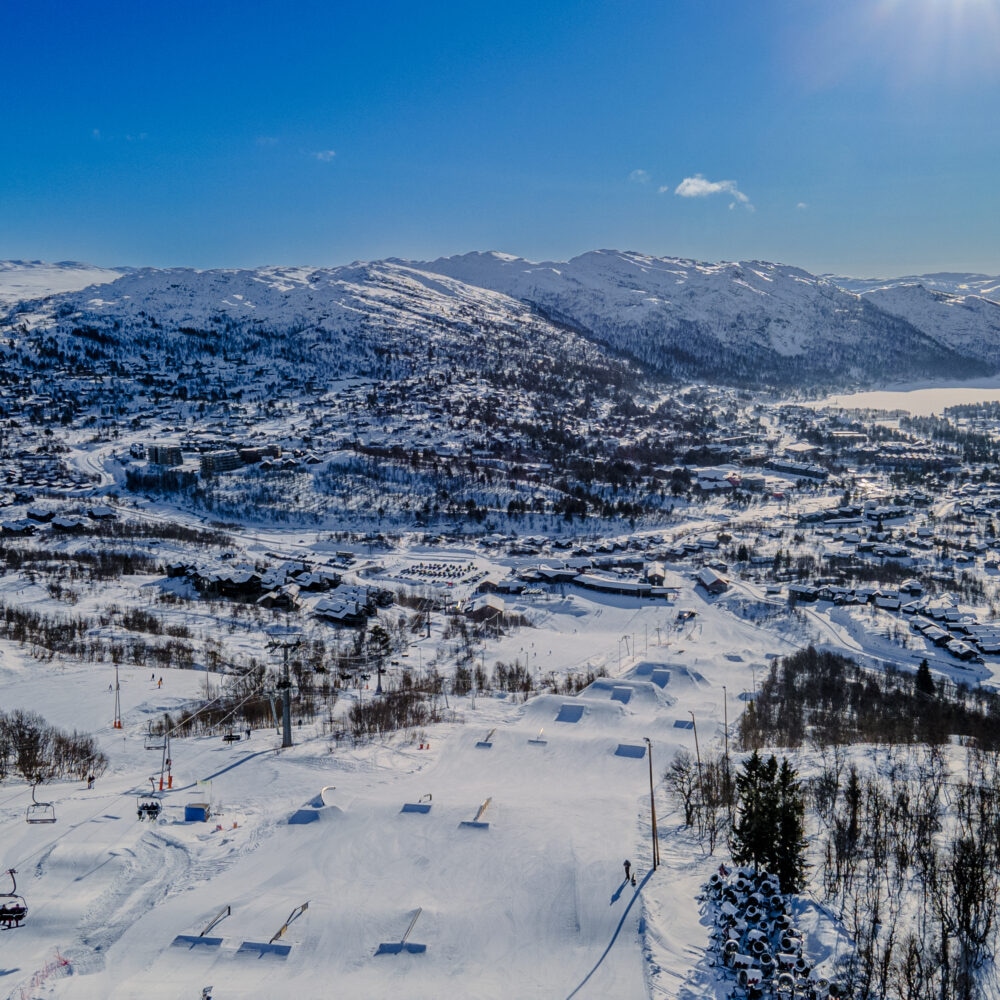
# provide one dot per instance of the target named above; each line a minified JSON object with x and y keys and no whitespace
{"x":628,"y":870}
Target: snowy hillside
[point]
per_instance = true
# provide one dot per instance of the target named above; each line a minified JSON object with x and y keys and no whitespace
{"x":743,"y":322}
{"x":749,"y":323}
{"x":385,"y":320}
{"x":951,"y":283}
{"x":969,"y":323}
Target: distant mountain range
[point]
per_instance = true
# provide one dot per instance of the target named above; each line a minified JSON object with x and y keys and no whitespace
{"x":748,"y":323}
{"x":754,"y":322}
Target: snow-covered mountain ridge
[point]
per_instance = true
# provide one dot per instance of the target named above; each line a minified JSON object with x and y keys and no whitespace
{"x":747,"y":323}
{"x":752,"y":320}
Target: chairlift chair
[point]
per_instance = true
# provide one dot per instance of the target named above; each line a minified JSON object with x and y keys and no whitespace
{"x":153,"y":741}
{"x":13,"y":908}
{"x":148,"y":807}
{"x":40,"y":812}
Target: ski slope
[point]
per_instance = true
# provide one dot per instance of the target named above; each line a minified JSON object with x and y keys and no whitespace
{"x":522,"y":898}
{"x":533,"y":904}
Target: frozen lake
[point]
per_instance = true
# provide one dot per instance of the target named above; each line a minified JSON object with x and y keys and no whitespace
{"x":922,"y":401}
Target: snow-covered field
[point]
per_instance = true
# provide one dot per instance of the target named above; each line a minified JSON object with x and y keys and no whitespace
{"x":20,"y":280}
{"x":532,"y":905}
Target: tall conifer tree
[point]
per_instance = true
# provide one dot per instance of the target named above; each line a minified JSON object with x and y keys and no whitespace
{"x":769,"y":832}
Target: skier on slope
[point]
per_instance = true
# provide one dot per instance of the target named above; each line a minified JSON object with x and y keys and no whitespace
{"x":628,"y":870}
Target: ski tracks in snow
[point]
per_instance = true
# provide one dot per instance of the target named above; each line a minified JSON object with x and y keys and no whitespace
{"x":676,"y":934}
{"x":151,"y":870}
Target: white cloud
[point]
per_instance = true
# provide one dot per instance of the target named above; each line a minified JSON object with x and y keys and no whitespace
{"x":324,"y":155}
{"x":801,"y":206}
{"x":639,"y":177}
{"x":700,"y":186}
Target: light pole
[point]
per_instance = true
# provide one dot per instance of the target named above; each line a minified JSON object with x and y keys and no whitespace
{"x":725,"y":724}
{"x":652,"y":806}
{"x":697,"y":754}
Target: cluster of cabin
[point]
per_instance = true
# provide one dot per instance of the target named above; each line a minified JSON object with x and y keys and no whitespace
{"x":247,"y":584}
{"x":37,"y":518}
{"x":351,"y":607}
{"x":939,"y":622}
{"x":283,"y":588}
{"x":906,"y":597}
{"x":43,"y":472}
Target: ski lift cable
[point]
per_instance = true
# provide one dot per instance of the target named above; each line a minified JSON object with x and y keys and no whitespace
{"x":70,"y":829}
{"x":195,"y":715}
{"x":7,"y":801}
{"x":65,"y":833}
{"x":207,"y":705}
{"x":13,"y":797}
{"x":236,"y":708}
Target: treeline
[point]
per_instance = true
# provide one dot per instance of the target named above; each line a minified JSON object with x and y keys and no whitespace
{"x":103,"y":564}
{"x":166,"y":530}
{"x":70,"y":635}
{"x":37,"y":751}
{"x":406,"y":708}
{"x":831,"y":700}
{"x":976,"y":446}
{"x":911,"y":863}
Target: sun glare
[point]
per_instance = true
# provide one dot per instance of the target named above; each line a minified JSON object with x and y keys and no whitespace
{"x":905,"y":44}
{"x":943,"y":41}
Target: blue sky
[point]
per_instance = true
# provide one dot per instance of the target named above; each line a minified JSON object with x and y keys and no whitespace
{"x":857,"y":137}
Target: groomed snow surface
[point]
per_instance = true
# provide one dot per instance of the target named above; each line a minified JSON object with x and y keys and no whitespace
{"x":527,"y":899}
